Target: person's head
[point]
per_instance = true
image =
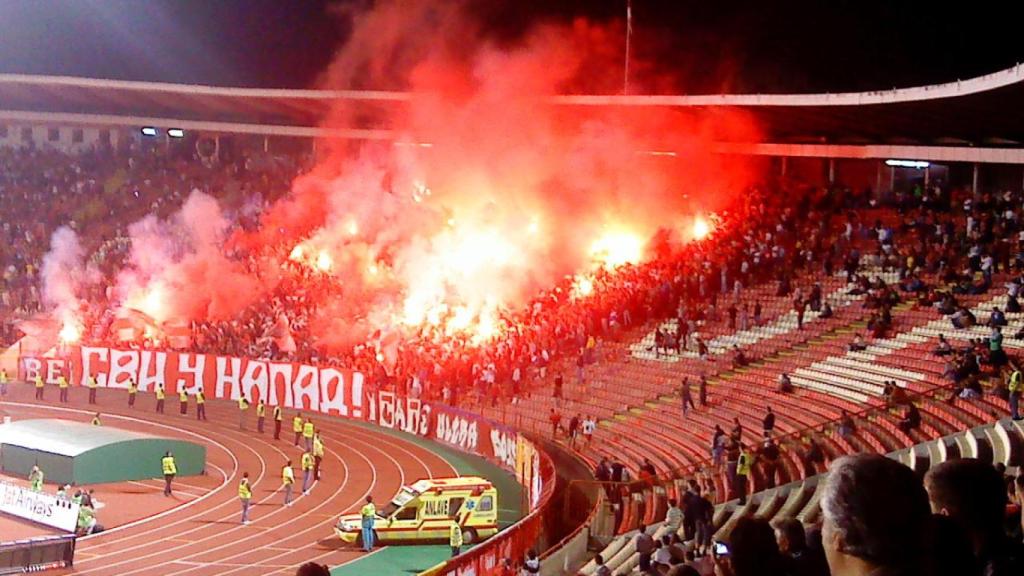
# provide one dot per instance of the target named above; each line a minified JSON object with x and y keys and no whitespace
{"x":245,"y":476}
{"x":642,"y":529}
{"x":532,"y":554}
{"x":599,"y":560}
{"x":753,"y":548}
{"x":875,"y":515}
{"x":313,"y":569}
{"x":971,"y":492}
{"x":288,"y":463}
{"x":672,"y":503}
{"x":790,"y":535}
{"x":369,"y":499}
{"x":168,"y":453}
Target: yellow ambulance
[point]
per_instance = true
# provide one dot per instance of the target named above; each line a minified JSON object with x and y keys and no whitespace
{"x":425,"y":511}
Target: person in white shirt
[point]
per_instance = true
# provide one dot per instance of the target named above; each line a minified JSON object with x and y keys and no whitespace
{"x":589,"y":424}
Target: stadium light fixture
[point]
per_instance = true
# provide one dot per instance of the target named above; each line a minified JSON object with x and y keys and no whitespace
{"x":919,"y":164}
{"x":175,"y":133}
{"x":149,"y":131}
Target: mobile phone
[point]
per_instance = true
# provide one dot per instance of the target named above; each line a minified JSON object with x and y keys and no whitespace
{"x":721,"y":549}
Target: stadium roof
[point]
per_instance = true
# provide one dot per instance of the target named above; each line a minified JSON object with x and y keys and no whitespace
{"x":982,"y":111}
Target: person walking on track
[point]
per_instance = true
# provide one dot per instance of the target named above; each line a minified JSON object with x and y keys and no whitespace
{"x":297,"y":427}
{"x":39,"y":387}
{"x":318,"y":454}
{"x":307,"y":434}
{"x":160,"y":396}
{"x":243,"y":409}
{"x":368,"y":514}
{"x":261,"y":415}
{"x":200,"y":405}
{"x":170,"y":469}
{"x":3,"y":382}
{"x":62,"y":383}
{"x":133,"y":391}
{"x":183,"y":401}
{"x":307,"y":472}
{"x":278,"y":419}
{"x":245,"y":495}
{"x":93,"y":385}
{"x":287,"y":481}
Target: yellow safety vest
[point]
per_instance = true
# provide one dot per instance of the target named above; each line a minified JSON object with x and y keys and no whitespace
{"x":278,"y":413}
{"x":92,"y":382}
{"x":368,"y":511}
{"x":307,"y":461}
{"x":455,"y":536}
{"x":261,"y":409}
{"x":296,"y":424}
{"x":318,"y":447}
{"x":3,"y":376}
{"x":169,"y":467}
{"x":243,"y":404}
{"x":743,"y":464}
{"x":1015,"y":382}
{"x":307,"y":430}
{"x":200,"y":399}
{"x":160,"y":393}
{"x":244,"y":492}
{"x":183,"y":396}
{"x":39,"y":382}
{"x":62,"y":382}
{"x":287,"y":476}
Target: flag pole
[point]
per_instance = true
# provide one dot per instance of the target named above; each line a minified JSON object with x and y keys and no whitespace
{"x":629,"y":34}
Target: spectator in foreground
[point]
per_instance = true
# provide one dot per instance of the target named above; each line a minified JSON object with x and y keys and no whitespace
{"x":645,"y":548}
{"x":753,"y":551}
{"x":973,"y":494}
{"x":876,"y":516}
{"x":798,"y":559}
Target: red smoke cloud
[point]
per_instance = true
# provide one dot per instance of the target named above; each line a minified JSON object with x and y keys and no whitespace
{"x":519,"y":189}
{"x":489,"y":193}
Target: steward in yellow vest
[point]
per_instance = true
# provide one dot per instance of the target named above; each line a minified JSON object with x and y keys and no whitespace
{"x":169,"y":469}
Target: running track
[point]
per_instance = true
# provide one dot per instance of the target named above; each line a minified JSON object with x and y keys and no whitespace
{"x":203,"y":536}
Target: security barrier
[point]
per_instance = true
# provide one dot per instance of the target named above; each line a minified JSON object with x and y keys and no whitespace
{"x":37,"y":554}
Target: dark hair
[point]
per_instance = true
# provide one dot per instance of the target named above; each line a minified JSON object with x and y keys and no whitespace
{"x":949,"y":549}
{"x":683,"y":570}
{"x":879,"y":509}
{"x":754,"y":550}
{"x":793,"y":530}
{"x":312,"y":569}
{"x":971,"y":490}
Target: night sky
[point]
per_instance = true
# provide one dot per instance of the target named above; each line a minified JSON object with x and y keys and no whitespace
{"x":710,"y":46}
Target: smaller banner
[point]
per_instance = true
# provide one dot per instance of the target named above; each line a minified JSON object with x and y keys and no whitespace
{"x":38,"y":507}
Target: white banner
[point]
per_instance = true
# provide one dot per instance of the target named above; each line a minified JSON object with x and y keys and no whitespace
{"x":38,"y":507}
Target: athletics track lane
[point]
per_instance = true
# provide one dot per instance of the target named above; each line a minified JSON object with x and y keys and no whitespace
{"x":203,"y":536}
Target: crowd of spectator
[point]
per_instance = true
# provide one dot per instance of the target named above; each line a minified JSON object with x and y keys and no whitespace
{"x":879,"y":519}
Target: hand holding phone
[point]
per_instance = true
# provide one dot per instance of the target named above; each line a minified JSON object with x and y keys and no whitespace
{"x":721,"y":548}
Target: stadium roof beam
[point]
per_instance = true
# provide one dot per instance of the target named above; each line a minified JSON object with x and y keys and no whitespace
{"x":982,"y":111}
